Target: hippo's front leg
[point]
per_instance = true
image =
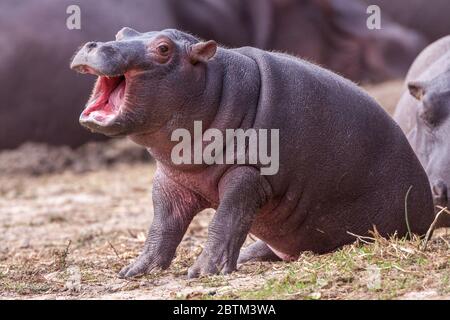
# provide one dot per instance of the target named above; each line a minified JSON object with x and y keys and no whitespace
{"x":174,"y":208}
{"x":243,"y":191}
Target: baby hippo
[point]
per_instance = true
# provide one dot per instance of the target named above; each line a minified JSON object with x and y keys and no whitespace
{"x":344,"y":166}
{"x":423,"y":113}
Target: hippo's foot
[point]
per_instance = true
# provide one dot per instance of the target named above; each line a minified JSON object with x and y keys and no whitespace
{"x":219,"y":261}
{"x":243,"y":193}
{"x":170,"y":221}
{"x":258,"y":251}
{"x":144,"y":264}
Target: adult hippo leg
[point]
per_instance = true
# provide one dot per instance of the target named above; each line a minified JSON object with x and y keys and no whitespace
{"x":258,"y":251}
{"x":174,"y":209}
{"x":243,"y":191}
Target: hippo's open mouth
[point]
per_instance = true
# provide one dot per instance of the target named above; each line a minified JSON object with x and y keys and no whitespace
{"x":106,"y":100}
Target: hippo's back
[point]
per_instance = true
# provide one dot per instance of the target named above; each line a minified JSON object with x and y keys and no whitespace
{"x":339,"y":149}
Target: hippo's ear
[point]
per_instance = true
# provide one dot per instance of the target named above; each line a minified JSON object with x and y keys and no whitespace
{"x":125,"y":33}
{"x":416,"y":89}
{"x":202,"y":51}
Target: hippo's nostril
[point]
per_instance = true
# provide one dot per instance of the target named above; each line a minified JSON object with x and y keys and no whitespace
{"x":91,"y":45}
{"x":108,"y":50}
{"x":440,"y":192}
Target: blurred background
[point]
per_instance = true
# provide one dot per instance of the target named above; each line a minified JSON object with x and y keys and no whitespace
{"x":74,"y":206}
{"x":42,"y":97}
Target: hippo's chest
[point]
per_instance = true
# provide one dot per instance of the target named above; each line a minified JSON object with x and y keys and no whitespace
{"x":202,"y":182}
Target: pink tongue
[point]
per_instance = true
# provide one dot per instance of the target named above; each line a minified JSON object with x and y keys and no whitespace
{"x":116,"y":97}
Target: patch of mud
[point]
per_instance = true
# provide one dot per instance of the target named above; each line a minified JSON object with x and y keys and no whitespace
{"x":66,"y":236}
{"x":39,"y":159}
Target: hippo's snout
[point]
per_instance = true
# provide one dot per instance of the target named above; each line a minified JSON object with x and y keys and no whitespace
{"x":105,"y":108}
{"x":91,"y":45}
{"x":116,"y":63}
{"x":84,"y":61}
{"x":101,"y":59}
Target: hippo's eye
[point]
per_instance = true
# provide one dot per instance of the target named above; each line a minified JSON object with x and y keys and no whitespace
{"x":433,"y":111}
{"x":163,"y":49}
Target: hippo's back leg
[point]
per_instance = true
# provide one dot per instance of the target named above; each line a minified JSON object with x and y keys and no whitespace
{"x":258,"y":251}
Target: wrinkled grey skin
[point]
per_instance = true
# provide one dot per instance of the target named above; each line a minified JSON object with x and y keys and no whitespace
{"x":332,"y":33}
{"x":423,"y":114}
{"x":345,"y":166}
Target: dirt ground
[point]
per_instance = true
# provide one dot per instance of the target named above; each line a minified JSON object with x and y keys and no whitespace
{"x":70,"y":220}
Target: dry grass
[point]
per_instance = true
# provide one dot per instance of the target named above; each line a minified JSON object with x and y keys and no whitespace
{"x":384,"y":269}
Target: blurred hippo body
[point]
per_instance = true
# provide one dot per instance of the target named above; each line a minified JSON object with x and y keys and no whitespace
{"x":34,"y":62}
{"x":41,"y":97}
{"x":332,"y":33}
{"x":344,"y":164}
{"x":423,"y":113}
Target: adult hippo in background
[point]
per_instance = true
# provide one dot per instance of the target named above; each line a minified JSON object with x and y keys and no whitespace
{"x":41,"y":98}
{"x":343,"y":165}
{"x":423,"y":113}
{"x":429,"y":17}
{"x":332,"y":33}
